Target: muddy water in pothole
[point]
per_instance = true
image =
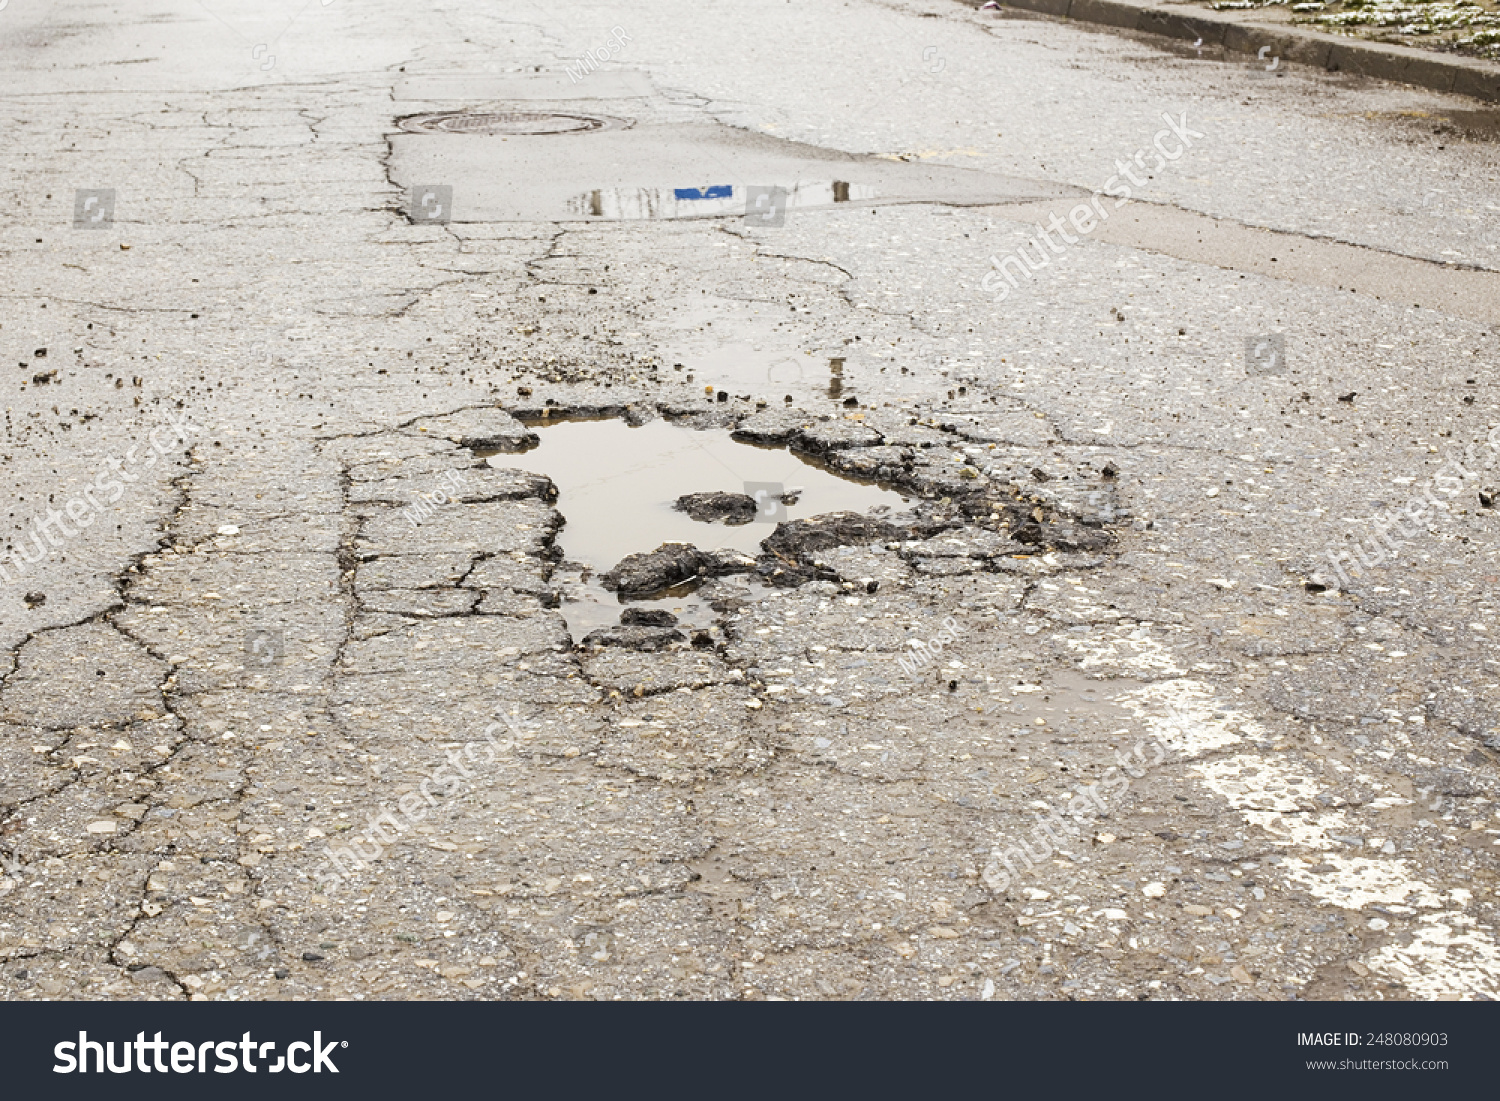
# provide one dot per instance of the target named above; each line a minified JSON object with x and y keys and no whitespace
{"x":617,"y":485}
{"x":1066,"y":703}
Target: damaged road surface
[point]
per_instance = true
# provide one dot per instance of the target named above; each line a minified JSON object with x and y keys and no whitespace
{"x":617,"y":543}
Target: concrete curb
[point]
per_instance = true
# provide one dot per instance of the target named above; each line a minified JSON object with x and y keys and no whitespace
{"x":1403,"y":64}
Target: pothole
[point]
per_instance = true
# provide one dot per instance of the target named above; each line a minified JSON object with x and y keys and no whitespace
{"x":765,"y":204}
{"x":618,"y":488}
{"x":649,"y":169}
{"x":509,"y":123}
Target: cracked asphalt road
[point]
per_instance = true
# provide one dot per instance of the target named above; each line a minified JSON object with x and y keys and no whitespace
{"x":1114,"y":541}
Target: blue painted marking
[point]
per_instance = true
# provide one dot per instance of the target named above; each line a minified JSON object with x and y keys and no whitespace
{"x":722,"y":191}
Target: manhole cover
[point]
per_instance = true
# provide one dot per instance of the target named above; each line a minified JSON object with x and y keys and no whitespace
{"x":508,"y":122}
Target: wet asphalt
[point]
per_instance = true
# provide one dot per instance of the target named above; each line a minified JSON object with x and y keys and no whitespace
{"x":1107,"y":688}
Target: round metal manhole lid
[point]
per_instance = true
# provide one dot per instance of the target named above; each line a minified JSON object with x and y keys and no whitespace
{"x":508,"y":123}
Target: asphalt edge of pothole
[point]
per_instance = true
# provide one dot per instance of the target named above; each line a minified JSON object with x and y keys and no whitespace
{"x":1066,"y":529}
{"x":1402,"y":64}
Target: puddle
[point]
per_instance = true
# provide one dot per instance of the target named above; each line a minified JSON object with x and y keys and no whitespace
{"x":715,"y":200}
{"x":1068,"y":703}
{"x":660,"y":170}
{"x":617,"y":485}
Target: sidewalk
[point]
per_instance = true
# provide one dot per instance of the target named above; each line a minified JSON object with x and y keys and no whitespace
{"x":1249,"y":32}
